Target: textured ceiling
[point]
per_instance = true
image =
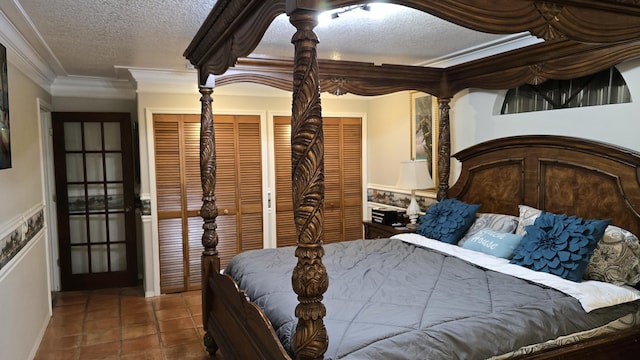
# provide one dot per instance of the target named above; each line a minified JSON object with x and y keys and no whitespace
{"x":96,"y":38}
{"x":90,"y":37}
{"x":387,"y":34}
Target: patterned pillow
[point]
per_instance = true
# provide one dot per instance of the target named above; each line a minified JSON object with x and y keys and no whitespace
{"x":527,"y":216}
{"x":616,"y":259}
{"x":447,"y":220}
{"x":494,"y":243}
{"x":559,"y":244}
{"x":497,"y":222}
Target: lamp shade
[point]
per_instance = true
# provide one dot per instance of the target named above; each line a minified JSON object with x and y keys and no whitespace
{"x":414,"y":175}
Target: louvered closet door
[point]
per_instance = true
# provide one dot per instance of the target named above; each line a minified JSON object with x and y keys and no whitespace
{"x":238,"y":185}
{"x":343,"y":180}
{"x":170,"y":152}
{"x":179,"y":193}
{"x":285,"y":227}
{"x":343,"y":174}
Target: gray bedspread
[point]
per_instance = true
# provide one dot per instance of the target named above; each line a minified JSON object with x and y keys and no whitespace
{"x":392,"y":300}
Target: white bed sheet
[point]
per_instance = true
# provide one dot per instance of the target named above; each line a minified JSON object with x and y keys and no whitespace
{"x":591,"y":294}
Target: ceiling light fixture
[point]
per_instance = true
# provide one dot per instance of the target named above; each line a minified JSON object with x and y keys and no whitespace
{"x":336,"y":14}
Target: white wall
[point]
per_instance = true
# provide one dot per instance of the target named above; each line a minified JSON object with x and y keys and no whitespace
{"x":475,"y":118}
{"x":388,"y":136}
{"x":66,"y":103}
{"x":25,"y":300}
{"x":22,"y":184}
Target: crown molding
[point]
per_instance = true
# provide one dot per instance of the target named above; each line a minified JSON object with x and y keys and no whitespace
{"x":23,"y":56}
{"x":164,"y":81}
{"x":49,"y":73}
{"x":511,"y":42}
{"x":186,"y":82}
{"x":90,"y":87}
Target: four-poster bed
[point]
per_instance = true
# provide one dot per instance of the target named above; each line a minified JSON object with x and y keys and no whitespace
{"x":581,"y":37}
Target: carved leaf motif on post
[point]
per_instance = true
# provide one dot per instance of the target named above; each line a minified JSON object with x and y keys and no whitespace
{"x":444,"y":152}
{"x":309,"y":278}
{"x":209,"y":210}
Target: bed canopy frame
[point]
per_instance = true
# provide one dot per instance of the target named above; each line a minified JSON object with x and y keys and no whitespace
{"x":580,"y":37}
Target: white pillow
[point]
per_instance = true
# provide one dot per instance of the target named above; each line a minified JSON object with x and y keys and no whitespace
{"x":528,"y":216}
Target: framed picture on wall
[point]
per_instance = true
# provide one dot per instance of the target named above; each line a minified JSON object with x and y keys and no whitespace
{"x":5,"y":139}
{"x":424,"y":130}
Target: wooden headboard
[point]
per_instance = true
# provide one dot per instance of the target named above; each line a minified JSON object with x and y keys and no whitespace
{"x":555,"y":173}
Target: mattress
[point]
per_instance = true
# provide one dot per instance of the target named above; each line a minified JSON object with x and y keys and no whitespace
{"x":389,"y":299}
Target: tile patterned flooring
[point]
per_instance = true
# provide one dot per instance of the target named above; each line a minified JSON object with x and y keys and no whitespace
{"x":123,"y":324}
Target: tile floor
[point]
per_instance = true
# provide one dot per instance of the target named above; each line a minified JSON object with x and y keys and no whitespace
{"x":123,"y":324}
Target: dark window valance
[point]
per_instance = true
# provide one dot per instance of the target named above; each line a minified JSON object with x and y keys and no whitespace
{"x":605,"y":87}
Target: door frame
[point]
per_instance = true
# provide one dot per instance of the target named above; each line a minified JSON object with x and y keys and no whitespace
{"x":150,"y":246}
{"x":49,"y":190}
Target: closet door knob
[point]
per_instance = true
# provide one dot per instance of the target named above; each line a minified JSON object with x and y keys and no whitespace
{"x":226,"y":211}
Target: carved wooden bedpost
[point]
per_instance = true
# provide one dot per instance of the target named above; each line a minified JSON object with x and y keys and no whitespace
{"x":444,"y":148}
{"x":210,"y":261}
{"x":309,"y":278}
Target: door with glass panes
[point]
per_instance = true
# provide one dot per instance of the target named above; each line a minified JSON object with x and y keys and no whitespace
{"x":94,"y":174}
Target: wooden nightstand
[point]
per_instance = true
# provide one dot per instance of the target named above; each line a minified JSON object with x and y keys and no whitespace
{"x":378,"y":231}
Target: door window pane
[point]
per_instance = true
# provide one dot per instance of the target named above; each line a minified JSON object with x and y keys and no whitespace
{"x":72,"y":136}
{"x":98,"y":228}
{"x":118,"y":257}
{"x":94,"y":167}
{"x":99,"y":261}
{"x":113,"y":166}
{"x":115,"y":197}
{"x":79,"y":260}
{"x":77,"y":229}
{"x":112,"y":136}
{"x":116,"y":227}
{"x":92,"y":136}
{"x":76,"y":198}
{"x":75,"y":170}
{"x":96,"y":197}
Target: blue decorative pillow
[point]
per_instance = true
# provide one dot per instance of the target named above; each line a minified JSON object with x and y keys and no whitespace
{"x":494,"y":243}
{"x":447,"y":220}
{"x":559,"y":244}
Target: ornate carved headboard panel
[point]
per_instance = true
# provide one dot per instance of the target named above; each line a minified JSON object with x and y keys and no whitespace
{"x":554,"y":173}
